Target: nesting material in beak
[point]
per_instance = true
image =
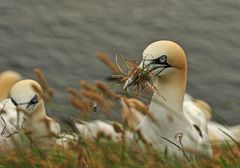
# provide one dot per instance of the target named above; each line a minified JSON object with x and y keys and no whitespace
{"x":145,"y":72}
{"x":129,"y":82}
{"x":138,"y":76}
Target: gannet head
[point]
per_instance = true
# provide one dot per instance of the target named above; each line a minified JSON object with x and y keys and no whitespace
{"x":26,"y":95}
{"x":205,"y":107}
{"x":7,"y":80}
{"x":161,"y":58}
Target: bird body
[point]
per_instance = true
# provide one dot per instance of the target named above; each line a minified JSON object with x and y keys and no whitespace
{"x":220,"y":134}
{"x":7,"y":80}
{"x":10,"y":125}
{"x":174,"y":130}
{"x":102,"y":130}
{"x":217,"y":133}
{"x":167,"y":128}
{"x":24,"y":114}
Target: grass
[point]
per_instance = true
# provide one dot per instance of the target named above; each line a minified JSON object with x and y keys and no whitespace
{"x":110,"y":155}
{"x":98,"y":154}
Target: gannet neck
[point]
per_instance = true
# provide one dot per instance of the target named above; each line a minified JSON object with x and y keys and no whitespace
{"x":171,"y":81}
{"x":169,"y":124}
{"x":39,"y":112}
{"x":170,"y":91}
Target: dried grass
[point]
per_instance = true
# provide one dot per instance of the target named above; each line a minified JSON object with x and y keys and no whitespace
{"x":94,"y":154}
{"x":108,"y":155}
{"x":90,"y":98}
{"x":142,"y":78}
{"x":106,"y":91}
{"x":73,"y":92}
{"x":47,"y":92}
{"x":104,"y":58}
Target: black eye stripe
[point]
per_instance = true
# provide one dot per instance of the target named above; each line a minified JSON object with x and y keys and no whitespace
{"x":14,"y":102}
{"x":34,"y":100}
{"x":160,"y":60}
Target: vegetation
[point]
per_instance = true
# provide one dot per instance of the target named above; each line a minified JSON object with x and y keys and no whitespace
{"x":103,"y":154}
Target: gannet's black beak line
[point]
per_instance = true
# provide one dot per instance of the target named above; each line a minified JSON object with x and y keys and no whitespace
{"x":160,"y":62}
{"x":33,"y":101}
{"x":14,"y":102}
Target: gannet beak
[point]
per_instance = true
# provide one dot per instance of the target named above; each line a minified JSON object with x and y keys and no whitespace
{"x":143,"y":68}
{"x":129,"y":82}
{"x":154,"y":66}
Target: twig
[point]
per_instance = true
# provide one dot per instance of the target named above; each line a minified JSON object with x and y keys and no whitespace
{"x":118,"y":65}
{"x":185,"y":155}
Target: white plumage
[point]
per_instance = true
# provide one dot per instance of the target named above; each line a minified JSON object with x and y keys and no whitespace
{"x":24,"y":115}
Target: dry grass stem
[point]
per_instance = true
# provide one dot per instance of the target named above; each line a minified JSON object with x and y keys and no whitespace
{"x":99,"y":99}
{"x":107,"y":61}
{"x":41,"y":78}
{"x":47,"y":92}
{"x":82,"y":106}
{"x":73,"y":92}
{"x":105,"y":90}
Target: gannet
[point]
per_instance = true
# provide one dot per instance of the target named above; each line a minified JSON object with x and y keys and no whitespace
{"x":217,"y":133}
{"x":26,"y":99}
{"x":103,"y":131}
{"x":7,"y":80}
{"x":174,"y":129}
{"x":96,"y":130}
{"x":10,"y":125}
{"x":66,"y":141}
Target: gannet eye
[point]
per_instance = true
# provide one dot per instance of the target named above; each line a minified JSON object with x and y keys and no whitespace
{"x":34,"y":100}
{"x":14,"y":102}
{"x":161,"y":60}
